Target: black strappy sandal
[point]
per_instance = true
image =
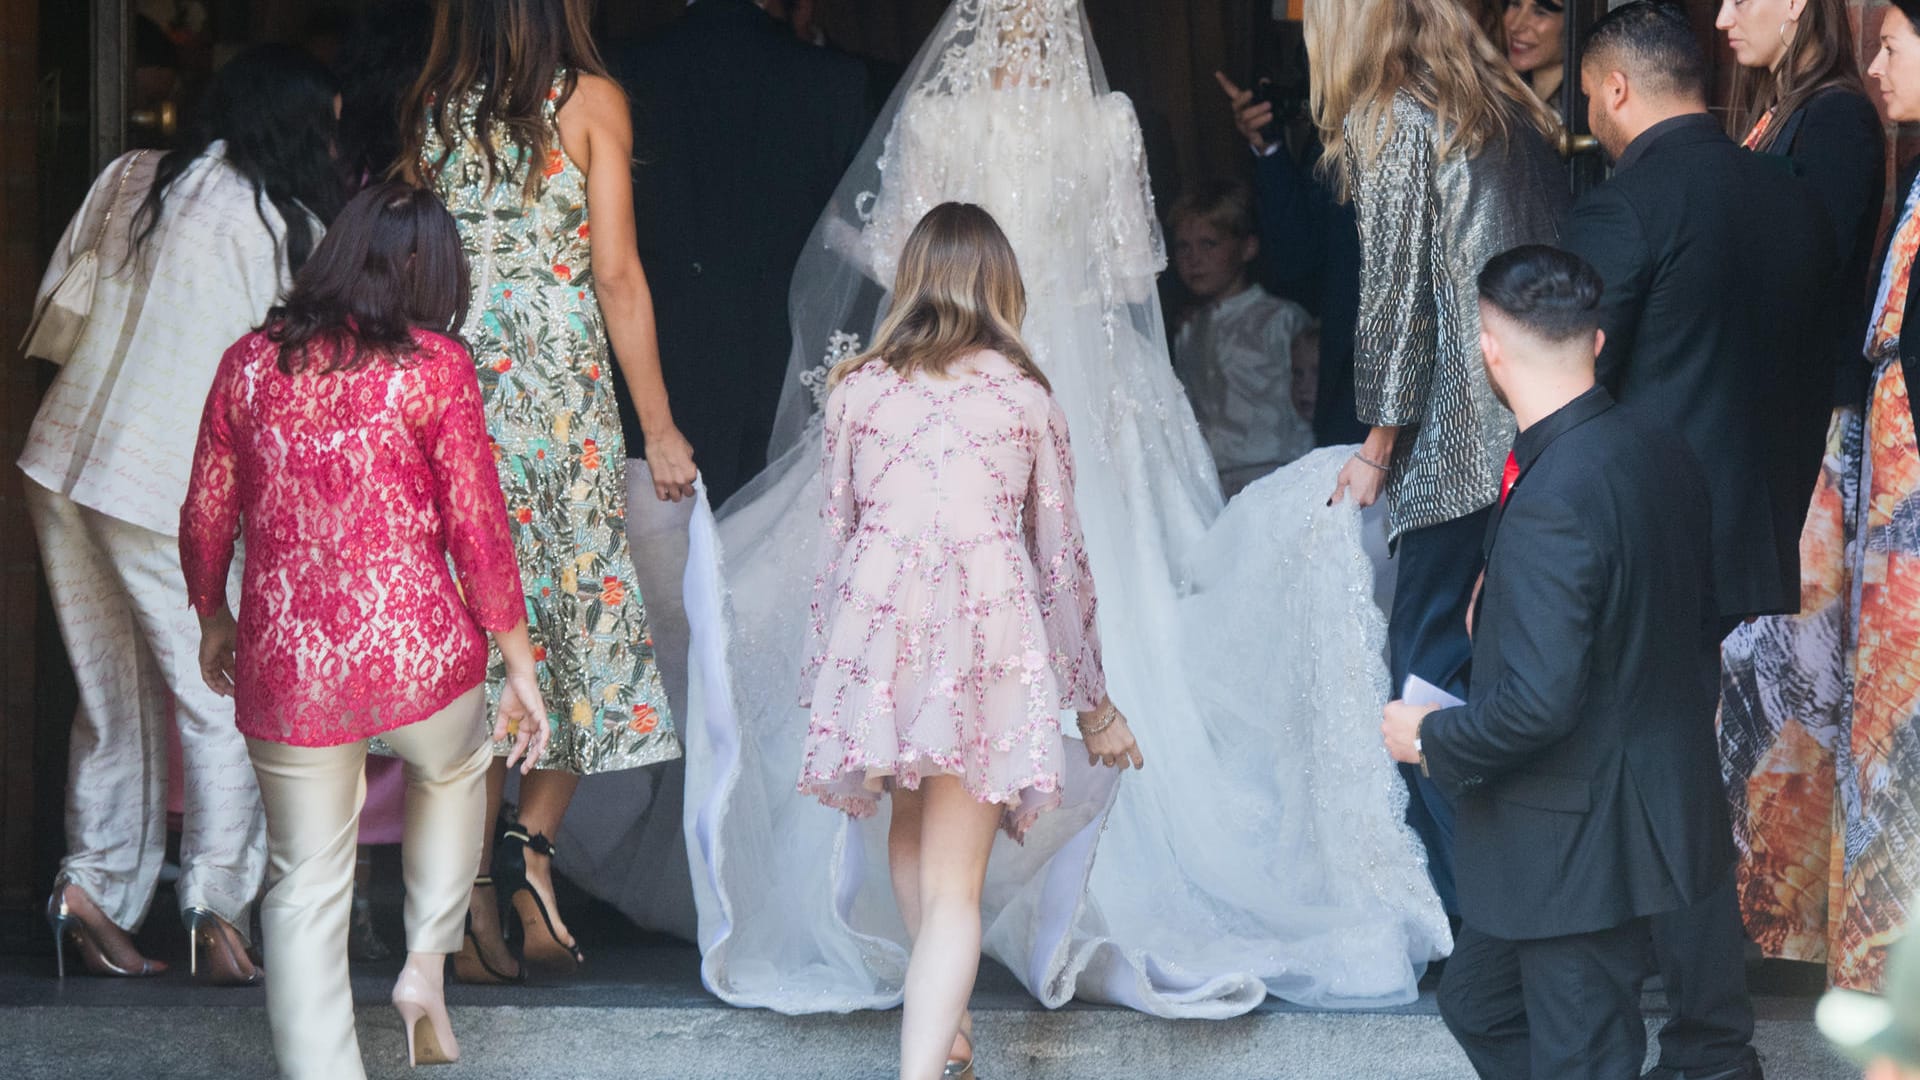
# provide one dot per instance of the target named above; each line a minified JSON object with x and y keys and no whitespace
{"x":540,"y":946}
{"x":470,"y":963}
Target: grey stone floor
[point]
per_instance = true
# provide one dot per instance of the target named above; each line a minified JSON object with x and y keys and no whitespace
{"x":638,"y":1012}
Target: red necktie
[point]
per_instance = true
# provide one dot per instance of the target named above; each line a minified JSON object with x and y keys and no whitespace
{"x":1508,"y":476}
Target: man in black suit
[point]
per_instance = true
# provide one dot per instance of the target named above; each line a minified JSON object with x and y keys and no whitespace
{"x":1717,"y":263}
{"x":1583,"y":768}
{"x":741,"y":132}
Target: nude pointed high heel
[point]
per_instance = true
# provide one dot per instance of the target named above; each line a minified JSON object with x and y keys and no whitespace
{"x":423,"y":1013}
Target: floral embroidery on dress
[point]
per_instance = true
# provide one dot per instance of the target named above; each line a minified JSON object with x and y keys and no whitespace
{"x":840,"y":345}
{"x":955,"y":617}
{"x":539,"y":341}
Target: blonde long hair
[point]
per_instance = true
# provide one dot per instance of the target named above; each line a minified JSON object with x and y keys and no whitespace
{"x":958,"y":291}
{"x":1364,"y":51}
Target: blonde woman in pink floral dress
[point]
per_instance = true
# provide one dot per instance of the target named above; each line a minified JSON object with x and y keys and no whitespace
{"x":954,"y":620}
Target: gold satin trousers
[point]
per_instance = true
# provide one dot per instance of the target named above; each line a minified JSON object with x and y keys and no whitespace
{"x":313,"y":797}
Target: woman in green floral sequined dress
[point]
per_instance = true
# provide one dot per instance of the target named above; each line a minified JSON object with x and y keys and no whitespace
{"x":529,"y":144}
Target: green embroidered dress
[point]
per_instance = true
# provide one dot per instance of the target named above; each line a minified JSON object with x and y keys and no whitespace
{"x":539,"y":341}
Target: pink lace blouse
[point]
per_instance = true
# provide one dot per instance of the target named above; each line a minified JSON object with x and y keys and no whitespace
{"x":352,"y":490}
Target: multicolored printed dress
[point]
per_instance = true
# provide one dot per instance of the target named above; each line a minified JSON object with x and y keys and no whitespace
{"x":539,"y":340}
{"x":1820,"y":712}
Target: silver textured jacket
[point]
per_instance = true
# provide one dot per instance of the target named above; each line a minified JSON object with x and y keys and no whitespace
{"x":1427,"y":226}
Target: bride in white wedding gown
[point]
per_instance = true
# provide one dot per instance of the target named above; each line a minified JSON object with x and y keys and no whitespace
{"x":1263,"y":849}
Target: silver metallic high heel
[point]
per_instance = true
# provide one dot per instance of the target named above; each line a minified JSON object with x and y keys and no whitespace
{"x":205,"y":931}
{"x":68,"y":926}
{"x":961,"y":1070}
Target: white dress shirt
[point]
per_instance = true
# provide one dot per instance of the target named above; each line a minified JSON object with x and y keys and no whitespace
{"x":1235,"y":357}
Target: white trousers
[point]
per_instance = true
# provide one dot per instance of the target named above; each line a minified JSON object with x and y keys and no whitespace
{"x":121,"y":601}
{"x":313,"y":797}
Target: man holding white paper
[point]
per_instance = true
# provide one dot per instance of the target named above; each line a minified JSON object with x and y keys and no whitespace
{"x":1582,"y":767}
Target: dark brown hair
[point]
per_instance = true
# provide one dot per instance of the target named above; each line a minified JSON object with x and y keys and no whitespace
{"x":509,"y":53}
{"x":391,"y":263}
{"x":271,"y":108}
{"x":1820,"y":57}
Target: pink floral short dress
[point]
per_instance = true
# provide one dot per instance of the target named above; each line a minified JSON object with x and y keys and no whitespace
{"x":954,"y":620}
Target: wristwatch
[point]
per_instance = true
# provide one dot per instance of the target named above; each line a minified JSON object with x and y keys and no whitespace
{"x":1423,"y":757}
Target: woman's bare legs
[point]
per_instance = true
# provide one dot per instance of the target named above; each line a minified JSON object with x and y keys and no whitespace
{"x":903,"y":863}
{"x":955,"y":837}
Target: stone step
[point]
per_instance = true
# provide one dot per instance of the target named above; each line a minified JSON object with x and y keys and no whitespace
{"x":190,"y":1042}
{"x":638,"y":1012}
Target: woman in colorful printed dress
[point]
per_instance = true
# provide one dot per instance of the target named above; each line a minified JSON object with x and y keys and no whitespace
{"x":526,"y":139}
{"x":345,"y":438}
{"x":955,"y":617}
{"x":1874,"y":872}
{"x":1785,"y":692}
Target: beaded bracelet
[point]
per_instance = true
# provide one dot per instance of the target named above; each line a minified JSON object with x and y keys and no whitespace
{"x":1108,"y":714}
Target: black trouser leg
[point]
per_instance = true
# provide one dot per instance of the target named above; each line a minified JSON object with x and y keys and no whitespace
{"x":1701,"y":952}
{"x":1583,"y":1003}
{"x":1481,"y":1002}
{"x":1564,"y":1008}
{"x":1427,"y":636}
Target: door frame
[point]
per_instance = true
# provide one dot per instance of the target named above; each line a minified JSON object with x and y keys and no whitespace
{"x":112,"y":20}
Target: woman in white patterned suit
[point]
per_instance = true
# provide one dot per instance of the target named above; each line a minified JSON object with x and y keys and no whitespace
{"x":192,"y":246}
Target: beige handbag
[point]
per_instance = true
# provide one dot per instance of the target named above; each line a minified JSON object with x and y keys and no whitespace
{"x":61,"y":315}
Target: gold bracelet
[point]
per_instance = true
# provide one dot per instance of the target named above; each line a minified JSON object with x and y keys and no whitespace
{"x":1365,"y":460}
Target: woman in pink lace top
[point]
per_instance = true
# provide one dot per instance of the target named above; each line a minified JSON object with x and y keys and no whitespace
{"x":954,"y":621}
{"x":346,"y":441}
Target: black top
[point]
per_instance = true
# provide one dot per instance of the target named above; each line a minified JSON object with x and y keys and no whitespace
{"x":1584,"y":766}
{"x":1718,"y":264}
{"x":741,"y":133}
{"x":1837,"y":144}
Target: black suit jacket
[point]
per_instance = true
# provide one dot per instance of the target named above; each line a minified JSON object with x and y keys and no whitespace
{"x":1584,"y":769}
{"x":741,"y":133}
{"x":1718,"y":264}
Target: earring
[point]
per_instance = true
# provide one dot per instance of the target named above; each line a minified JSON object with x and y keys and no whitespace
{"x":1784,"y":43}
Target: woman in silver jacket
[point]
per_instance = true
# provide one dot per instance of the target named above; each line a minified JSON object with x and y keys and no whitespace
{"x":1446,"y":156}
